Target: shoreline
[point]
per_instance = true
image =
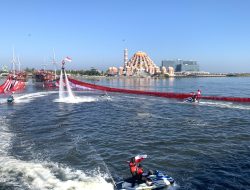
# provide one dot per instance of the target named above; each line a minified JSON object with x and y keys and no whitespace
{"x":158,"y":76}
{"x":163,"y":77}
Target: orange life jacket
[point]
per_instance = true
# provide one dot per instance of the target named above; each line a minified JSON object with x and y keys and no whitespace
{"x":139,"y":171}
{"x":133,"y":167}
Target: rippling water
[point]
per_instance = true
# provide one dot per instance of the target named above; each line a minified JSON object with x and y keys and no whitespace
{"x":47,"y":144}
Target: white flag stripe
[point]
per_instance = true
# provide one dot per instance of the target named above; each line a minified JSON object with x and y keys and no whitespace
{"x":67,"y":59}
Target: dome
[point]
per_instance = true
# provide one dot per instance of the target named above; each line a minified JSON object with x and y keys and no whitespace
{"x":140,"y":53}
{"x":140,"y":64}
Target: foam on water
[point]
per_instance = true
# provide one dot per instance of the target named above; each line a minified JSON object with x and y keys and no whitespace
{"x":26,"y":98}
{"x":42,"y":175}
{"x":225,"y":105}
{"x":219,"y":104}
{"x":76,"y":100}
{"x":49,"y":176}
{"x":2,"y":100}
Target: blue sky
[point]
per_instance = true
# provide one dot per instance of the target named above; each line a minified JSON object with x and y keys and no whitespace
{"x":94,"y":33}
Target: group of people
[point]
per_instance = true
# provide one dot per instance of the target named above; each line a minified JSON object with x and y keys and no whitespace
{"x":136,"y":169}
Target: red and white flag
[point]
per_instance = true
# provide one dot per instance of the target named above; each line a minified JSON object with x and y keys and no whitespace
{"x":139,"y":158}
{"x":68,"y":59}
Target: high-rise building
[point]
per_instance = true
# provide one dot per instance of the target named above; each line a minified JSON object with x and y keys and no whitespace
{"x":181,"y":65}
{"x":170,"y":63}
{"x":191,"y":66}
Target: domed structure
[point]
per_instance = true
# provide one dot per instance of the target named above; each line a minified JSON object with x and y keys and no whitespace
{"x":140,"y":64}
{"x":112,"y":71}
{"x":171,"y":71}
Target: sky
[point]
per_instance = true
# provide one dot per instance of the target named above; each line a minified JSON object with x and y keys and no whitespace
{"x":94,"y":33}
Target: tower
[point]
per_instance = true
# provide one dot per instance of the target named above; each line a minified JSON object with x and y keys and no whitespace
{"x":125,"y":57}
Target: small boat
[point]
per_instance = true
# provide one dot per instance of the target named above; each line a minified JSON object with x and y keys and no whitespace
{"x":10,"y":99}
{"x":152,"y":180}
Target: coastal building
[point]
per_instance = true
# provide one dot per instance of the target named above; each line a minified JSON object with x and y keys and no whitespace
{"x":170,"y":63}
{"x":170,"y":71}
{"x":181,"y":65}
{"x":140,"y":64}
{"x":163,"y":70}
{"x":112,"y":71}
{"x":120,"y":71}
{"x":167,"y":71}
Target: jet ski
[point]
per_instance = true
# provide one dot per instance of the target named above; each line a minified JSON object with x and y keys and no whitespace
{"x":191,"y":100}
{"x":105,"y":96}
{"x":10,"y":99}
{"x":151,"y":180}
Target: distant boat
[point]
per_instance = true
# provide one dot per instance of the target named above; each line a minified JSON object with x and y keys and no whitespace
{"x":4,"y":74}
{"x":43,"y":76}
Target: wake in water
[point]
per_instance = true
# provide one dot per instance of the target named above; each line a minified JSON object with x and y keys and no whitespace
{"x":26,"y":98}
{"x":29,"y":97}
{"x":219,"y":104}
{"x":226,"y":105}
{"x":49,"y":176}
{"x":42,"y":175}
{"x":76,"y":100}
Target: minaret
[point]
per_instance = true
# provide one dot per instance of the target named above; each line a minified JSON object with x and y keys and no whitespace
{"x":125,"y":60}
{"x":125,"y":57}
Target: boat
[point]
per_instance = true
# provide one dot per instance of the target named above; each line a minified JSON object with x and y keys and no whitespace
{"x":151,"y":180}
{"x":43,"y":75}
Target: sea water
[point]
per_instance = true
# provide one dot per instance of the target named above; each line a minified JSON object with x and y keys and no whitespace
{"x":48,"y":144}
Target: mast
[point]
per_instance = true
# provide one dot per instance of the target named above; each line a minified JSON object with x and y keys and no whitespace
{"x":19,"y":64}
{"x":54,"y":61}
{"x":13,"y":62}
{"x":44,"y":64}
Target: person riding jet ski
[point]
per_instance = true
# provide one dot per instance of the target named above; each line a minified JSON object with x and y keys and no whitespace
{"x":140,"y":180}
{"x":198,"y":93}
{"x":195,"y":97}
{"x":10,"y":99}
{"x":136,"y":169}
